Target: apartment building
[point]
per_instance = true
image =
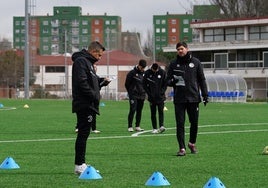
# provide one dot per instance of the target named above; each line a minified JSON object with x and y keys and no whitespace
{"x":233,"y":47}
{"x":171,"y":28}
{"x":66,"y":31}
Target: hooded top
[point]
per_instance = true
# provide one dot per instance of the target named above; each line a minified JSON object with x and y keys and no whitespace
{"x":133,"y":84}
{"x":85,"y":83}
{"x":155,"y":85}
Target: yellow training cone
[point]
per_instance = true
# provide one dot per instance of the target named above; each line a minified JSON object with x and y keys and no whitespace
{"x":265,"y":150}
{"x":26,"y":106}
{"x":165,"y":108}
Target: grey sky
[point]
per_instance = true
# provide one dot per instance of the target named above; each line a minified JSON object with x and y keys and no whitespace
{"x":136,"y":15}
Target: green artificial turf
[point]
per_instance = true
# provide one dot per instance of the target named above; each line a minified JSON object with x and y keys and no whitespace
{"x":41,"y":141}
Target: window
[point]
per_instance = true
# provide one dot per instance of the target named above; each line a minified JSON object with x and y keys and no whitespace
{"x":264,"y":32}
{"x":221,"y":60}
{"x":163,"y":30}
{"x":45,"y":48}
{"x":45,"y":22}
{"x":185,"y":30}
{"x":107,"y":22}
{"x":157,"y":30}
{"x":75,"y":23}
{"x":84,"y":31}
{"x":45,"y":31}
{"x":97,"y":39}
{"x":186,"y":21}
{"x":33,"y":22}
{"x":113,"y":22}
{"x":54,"y":38}
{"x":84,"y":39}
{"x":218,"y":35}
{"x":96,"y":22}
{"x":55,"y":69}
{"x":173,"y":38}
{"x":254,"y":33}
{"x":157,"y":22}
{"x":84,"y":22}
{"x":75,"y":31}
{"x":17,"y":23}
{"x":173,"y":21}
{"x":163,"y":21}
{"x":173,"y":30}
{"x":230,"y":34}
{"x":96,"y":31}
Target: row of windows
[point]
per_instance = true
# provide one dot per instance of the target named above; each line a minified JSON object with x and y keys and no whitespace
{"x":74,"y":31}
{"x":172,"y":21}
{"x":163,"y":39}
{"x":173,"y":30}
{"x":232,"y":34}
{"x":55,"y":23}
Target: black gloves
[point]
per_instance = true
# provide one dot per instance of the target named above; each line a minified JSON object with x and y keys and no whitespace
{"x":205,"y":100}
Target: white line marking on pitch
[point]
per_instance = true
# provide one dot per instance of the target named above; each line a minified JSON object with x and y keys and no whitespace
{"x":140,"y":133}
{"x":203,"y":126}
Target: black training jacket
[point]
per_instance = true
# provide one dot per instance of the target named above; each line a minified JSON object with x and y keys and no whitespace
{"x":85,"y":83}
{"x":155,"y":85}
{"x":186,"y":76}
{"x":133,"y":84}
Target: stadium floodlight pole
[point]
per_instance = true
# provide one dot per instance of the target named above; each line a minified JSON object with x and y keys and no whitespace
{"x":26,"y":53}
{"x":153,"y":38}
{"x":108,"y":58}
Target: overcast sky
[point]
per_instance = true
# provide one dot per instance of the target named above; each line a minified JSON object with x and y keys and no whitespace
{"x":136,"y":15}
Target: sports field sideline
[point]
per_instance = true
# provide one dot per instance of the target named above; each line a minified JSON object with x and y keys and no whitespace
{"x":41,"y":140}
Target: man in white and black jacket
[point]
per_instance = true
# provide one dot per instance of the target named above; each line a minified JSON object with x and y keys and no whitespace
{"x":185,"y":74}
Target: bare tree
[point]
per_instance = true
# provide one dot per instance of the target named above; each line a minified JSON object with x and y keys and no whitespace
{"x":11,"y":69}
{"x":148,"y":44}
{"x":242,"y":8}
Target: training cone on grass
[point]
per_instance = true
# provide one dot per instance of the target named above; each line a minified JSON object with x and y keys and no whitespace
{"x":102,"y":104}
{"x":214,"y":182}
{"x":26,"y":106}
{"x":90,"y":174}
{"x":157,"y":179}
{"x":9,"y":163}
{"x":165,"y":108}
{"x":265,"y":150}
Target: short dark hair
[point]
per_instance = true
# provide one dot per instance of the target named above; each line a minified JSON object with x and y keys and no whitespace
{"x":181,"y":44}
{"x":155,"y":66}
{"x":142,"y":63}
{"x":95,"y":45}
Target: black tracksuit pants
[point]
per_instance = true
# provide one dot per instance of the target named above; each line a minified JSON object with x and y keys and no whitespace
{"x":160,"y":108}
{"x":192,"y":110}
{"x":85,"y":120}
{"x":135,"y":106}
